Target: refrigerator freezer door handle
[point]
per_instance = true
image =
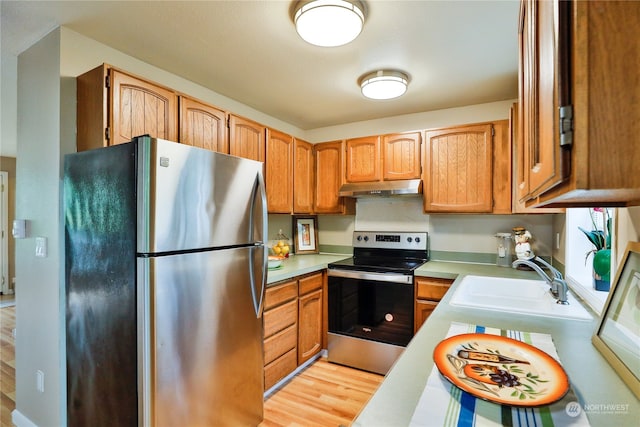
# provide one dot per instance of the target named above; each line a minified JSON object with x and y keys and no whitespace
{"x":259,"y":220}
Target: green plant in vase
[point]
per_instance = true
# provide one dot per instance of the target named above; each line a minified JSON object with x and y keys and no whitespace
{"x":601,"y":239}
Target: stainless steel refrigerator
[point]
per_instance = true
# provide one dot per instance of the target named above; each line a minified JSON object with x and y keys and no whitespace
{"x":165,"y":273}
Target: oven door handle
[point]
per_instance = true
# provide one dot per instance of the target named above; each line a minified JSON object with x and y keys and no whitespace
{"x":376,"y":277}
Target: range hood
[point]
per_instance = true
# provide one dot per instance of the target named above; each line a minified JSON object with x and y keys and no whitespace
{"x":407,"y":187}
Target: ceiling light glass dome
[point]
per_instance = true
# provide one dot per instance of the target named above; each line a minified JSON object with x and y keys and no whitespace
{"x":329,"y":23}
{"x":384,"y":84}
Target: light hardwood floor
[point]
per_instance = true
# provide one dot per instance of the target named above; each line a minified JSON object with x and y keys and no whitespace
{"x":324,"y":394}
{"x":7,"y":365}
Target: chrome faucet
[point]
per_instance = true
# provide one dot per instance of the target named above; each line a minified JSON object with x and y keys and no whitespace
{"x":558,"y":286}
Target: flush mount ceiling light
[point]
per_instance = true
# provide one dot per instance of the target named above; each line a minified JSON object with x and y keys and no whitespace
{"x":328,"y":23}
{"x":384,"y":84}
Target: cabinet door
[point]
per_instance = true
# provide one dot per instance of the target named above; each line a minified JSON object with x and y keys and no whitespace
{"x":203,"y":126}
{"x":544,"y":41}
{"x":279,"y":172}
{"x":401,"y":156}
{"x":246,"y":138}
{"x":309,"y":325}
{"x":303,"y":177}
{"x":458,"y":169}
{"x":329,"y":169}
{"x":363,"y":159}
{"x":139,"y":107}
{"x":423,"y":310}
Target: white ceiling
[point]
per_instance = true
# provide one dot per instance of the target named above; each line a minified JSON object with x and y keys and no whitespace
{"x":457,"y":52}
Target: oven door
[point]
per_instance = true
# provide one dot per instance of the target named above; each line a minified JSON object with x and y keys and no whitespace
{"x":371,"y":306}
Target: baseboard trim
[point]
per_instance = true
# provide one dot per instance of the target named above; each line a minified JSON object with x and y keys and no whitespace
{"x":285,"y":380}
{"x":20,"y":420}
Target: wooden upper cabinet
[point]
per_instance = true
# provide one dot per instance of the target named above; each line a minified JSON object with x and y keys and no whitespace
{"x":578,"y":113}
{"x":329,"y":172}
{"x":279,"y":172}
{"x":140,"y":107}
{"x":246,"y":138}
{"x":502,"y":168}
{"x":544,"y":89}
{"x":203,"y":125}
{"x":401,"y":156}
{"x":113,"y":107}
{"x":363,"y":159}
{"x":458,"y":172}
{"x":304,"y":177}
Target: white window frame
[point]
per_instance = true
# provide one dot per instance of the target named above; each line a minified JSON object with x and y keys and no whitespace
{"x":577,"y":274}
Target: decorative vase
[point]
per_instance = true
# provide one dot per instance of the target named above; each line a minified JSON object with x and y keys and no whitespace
{"x":602,"y":270}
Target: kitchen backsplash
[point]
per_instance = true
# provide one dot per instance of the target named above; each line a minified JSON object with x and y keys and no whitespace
{"x":473,"y":236}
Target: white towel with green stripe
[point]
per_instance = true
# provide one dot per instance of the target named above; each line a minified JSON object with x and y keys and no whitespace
{"x":444,"y":404}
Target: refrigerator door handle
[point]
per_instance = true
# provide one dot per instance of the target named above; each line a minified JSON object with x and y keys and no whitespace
{"x":258,"y":255}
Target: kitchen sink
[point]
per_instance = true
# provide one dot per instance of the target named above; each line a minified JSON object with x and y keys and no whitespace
{"x":521,"y":296}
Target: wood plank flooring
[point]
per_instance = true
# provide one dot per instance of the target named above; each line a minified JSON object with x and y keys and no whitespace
{"x":322,"y":395}
{"x":7,"y":365}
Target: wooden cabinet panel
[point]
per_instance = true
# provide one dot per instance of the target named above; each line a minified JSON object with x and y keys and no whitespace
{"x":304,"y":177}
{"x":309,"y":325}
{"x":279,"y":172}
{"x":432,"y":288}
{"x":502,"y":188}
{"x":203,"y":125}
{"x":423,"y":310}
{"x":280,"y":368}
{"x":246,"y":138}
{"x":280,"y":317}
{"x":401,"y":156}
{"x":278,"y":344}
{"x":113,"y":107}
{"x":310,"y":283}
{"x":140,"y":107}
{"x":363,"y":159}
{"x":578,"y":54}
{"x":280,"y":293}
{"x":429,"y":291}
{"x":458,"y":169}
{"x":329,"y":177}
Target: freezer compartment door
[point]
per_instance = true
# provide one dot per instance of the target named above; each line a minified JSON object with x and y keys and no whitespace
{"x":190,"y":198}
{"x":202,"y":342}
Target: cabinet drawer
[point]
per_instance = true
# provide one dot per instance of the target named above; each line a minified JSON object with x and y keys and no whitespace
{"x":310,"y":283}
{"x":280,"y":368}
{"x":432,"y":289}
{"x":280,"y":343}
{"x":278,"y":294}
{"x":280,"y":318}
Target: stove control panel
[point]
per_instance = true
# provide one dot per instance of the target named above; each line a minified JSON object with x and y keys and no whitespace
{"x":390,"y":240}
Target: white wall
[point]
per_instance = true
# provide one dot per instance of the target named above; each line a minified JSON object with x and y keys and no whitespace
{"x":39,"y":309}
{"x":8,"y":104}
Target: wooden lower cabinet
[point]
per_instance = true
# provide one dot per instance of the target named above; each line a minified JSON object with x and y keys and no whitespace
{"x":429,"y":291}
{"x":293,"y":325}
{"x":310,"y":317}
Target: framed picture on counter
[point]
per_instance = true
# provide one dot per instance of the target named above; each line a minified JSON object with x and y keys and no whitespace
{"x":618,"y":334}
{"x":305,"y":234}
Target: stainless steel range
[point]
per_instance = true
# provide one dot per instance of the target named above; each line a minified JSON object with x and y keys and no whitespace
{"x":371,"y":299}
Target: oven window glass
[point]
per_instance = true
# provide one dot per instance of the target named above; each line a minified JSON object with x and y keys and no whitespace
{"x":378,"y":311}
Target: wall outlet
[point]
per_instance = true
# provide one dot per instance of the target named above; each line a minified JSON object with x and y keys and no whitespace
{"x":40,"y":381}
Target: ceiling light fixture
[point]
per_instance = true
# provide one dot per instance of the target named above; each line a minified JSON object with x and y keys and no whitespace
{"x":384,"y":84}
{"x":329,"y":23}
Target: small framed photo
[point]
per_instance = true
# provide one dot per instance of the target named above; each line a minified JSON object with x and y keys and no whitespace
{"x":305,"y":234}
{"x":618,"y":335}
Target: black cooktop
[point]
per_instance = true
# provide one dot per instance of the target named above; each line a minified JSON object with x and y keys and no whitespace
{"x":378,"y":264}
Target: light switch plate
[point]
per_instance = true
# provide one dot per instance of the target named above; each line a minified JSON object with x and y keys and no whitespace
{"x":41,"y":247}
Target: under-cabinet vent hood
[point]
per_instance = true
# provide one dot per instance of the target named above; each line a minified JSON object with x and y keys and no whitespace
{"x":407,"y":187}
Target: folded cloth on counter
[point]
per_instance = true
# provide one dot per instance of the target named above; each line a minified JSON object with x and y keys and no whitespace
{"x":444,"y":404}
